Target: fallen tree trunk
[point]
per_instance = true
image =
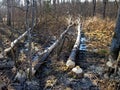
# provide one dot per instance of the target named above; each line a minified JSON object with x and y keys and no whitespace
{"x":71,"y":60}
{"x":49,"y":50}
{"x":16,"y":41}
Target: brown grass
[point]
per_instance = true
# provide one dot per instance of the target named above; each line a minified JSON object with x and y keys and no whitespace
{"x":99,"y":32}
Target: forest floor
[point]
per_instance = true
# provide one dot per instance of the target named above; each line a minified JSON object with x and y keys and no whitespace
{"x":54,"y":75}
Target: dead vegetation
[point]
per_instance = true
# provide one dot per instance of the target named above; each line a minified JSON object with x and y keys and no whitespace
{"x":54,"y":74}
{"x":99,"y":33}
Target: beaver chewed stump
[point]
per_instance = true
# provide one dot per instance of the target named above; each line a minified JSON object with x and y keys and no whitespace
{"x":70,"y":63}
{"x":76,"y":72}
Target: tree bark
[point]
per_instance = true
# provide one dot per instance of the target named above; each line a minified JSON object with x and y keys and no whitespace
{"x":18,"y":39}
{"x":117,"y":4}
{"x":54,"y":4}
{"x":50,"y":49}
{"x":104,"y":8}
{"x":71,"y":60}
{"x":30,"y":40}
{"x":9,"y":12}
{"x":115,"y":45}
{"x":15,"y":41}
{"x":94,"y":7}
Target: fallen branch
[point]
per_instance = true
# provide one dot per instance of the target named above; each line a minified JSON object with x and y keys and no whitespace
{"x":71,"y":60}
{"x":69,"y":19}
{"x":15,"y":41}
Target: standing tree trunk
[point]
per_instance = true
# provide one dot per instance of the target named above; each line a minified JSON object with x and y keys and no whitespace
{"x":85,"y":10}
{"x":54,"y":4}
{"x":115,"y":45}
{"x":104,"y":7}
{"x":9,"y":12}
{"x":94,"y":7}
{"x":80,"y":7}
{"x":58,"y":2}
{"x":117,"y":4}
{"x":30,"y":39}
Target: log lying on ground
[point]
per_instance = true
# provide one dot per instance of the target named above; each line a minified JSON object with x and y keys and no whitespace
{"x":50,"y":49}
{"x":71,"y":60}
{"x":16,"y":41}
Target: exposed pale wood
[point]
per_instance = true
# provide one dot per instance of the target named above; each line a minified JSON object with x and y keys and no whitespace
{"x":71,"y":60}
{"x":50,"y":49}
{"x":77,"y":70}
{"x":115,"y":44}
{"x":16,"y":41}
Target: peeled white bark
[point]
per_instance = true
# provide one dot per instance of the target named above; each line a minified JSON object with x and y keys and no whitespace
{"x":50,"y":49}
{"x":71,"y":60}
{"x":16,"y":41}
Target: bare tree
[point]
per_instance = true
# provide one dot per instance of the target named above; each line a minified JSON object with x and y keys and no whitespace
{"x":86,"y":4}
{"x":104,"y":7}
{"x":30,"y":39}
{"x":9,"y":12}
{"x":115,"y":45}
{"x":13,"y":12}
{"x":116,"y":3}
{"x":36,"y":12}
{"x":54,"y":4}
{"x":94,"y":7}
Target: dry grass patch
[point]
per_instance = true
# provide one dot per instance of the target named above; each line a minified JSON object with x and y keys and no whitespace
{"x":99,"y":33}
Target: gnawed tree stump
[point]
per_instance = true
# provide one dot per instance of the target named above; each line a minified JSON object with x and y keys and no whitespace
{"x":78,"y":72}
{"x":71,"y":60}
